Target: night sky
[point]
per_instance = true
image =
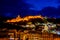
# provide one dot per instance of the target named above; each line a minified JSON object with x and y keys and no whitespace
{"x":12,"y":8}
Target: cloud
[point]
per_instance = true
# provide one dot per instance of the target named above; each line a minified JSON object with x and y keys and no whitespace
{"x":40,"y":4}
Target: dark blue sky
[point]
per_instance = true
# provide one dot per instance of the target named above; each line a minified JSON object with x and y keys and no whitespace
{"x":11,"y":8}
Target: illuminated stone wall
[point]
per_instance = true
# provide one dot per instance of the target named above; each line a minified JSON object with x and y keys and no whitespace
{"x":32,"y":36}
